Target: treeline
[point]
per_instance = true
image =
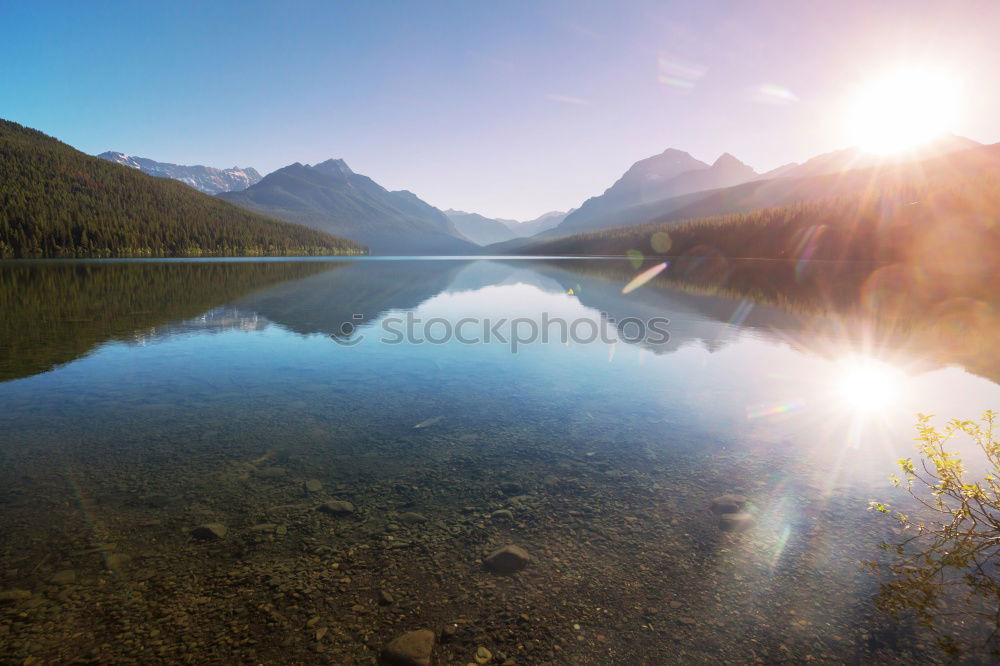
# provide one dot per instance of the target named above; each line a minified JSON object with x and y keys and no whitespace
{"x":58,"y":202}
{"x":54,"y":313}
{"x":956,"y":223}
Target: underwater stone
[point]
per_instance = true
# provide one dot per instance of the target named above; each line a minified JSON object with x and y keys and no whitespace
{"x":67,"y":577}
{"x":14,"y":595}
{"x":735,"y":522}
{"x":728,"y":504}
{"x":507,"y":560}
{"x":210,"y":531}
{"x":272,"y":473}
{"x":411,"y":649}
{"x":336,"y":508}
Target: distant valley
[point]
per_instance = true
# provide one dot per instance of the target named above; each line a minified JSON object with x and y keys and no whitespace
{"x":486,"y":231}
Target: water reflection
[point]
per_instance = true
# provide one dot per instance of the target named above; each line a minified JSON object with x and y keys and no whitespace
{"x":56,"y":312}
{"x":156,"y":398}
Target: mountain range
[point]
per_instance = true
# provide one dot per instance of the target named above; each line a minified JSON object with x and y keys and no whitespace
{"x":674,"y":186}
{"x":203,"y":178}
{"x":58,"y":202}
{"x":937,"y":211}
{"x":667,"y":188}
{"x":330,"y":197}
{"x":669,"y":174}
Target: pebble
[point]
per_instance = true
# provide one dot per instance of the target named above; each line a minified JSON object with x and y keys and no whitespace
{"x":412,"y":518}
{"x":336,"y":508}
{"x":728,"y":504}
{"x":507,"y":560}
{"x":14,"y":595}
{"x":483,"y":656}
{"x":210,"y":531}
{"x":735,"y":522}
{"x":264,"y":527}
{"x":411,"y":649}
{"x":117,"y":560}
{"x":272,"y":473}
{"x":66,"y":577}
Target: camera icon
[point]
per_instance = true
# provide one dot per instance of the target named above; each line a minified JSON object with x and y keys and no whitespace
{"x":345,"y":337}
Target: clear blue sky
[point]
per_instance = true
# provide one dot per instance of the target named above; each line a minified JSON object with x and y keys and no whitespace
{"x":505,"y":108}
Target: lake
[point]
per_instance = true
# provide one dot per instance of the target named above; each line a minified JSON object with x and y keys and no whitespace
{"x":298,"y":460}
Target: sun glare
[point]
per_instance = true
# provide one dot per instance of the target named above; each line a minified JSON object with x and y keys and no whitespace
{"x":903,"y":109}
{"x":867,"y":385}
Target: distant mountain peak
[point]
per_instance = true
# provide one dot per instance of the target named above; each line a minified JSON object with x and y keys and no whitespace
{"x":334,"y":166}
{"x":330,"y":196}
{"x":209,"y":180}
{"x":727,"y":160}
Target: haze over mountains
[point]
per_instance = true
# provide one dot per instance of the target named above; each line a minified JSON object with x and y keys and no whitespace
{"x":938,"y":211}
{"x":485,"y":231}
{"x":203,"y":178}
{"x":669,"y":174}
{"x":330,"y":197}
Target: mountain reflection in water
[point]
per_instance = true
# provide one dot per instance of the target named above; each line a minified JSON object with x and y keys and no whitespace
{"x":141,"y":400}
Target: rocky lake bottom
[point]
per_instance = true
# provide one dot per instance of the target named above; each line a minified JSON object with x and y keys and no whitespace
{"x":628,"y":563}
{"x":195,"y":469}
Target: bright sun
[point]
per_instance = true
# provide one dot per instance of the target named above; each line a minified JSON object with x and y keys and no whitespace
{"x":903,"y":109}
{"x":867,"y":385}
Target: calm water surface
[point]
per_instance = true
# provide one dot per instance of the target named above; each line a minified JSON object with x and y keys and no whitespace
{"x":140,"y":400}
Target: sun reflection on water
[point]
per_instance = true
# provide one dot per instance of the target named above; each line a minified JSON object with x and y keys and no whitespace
{"x":867,"y":385}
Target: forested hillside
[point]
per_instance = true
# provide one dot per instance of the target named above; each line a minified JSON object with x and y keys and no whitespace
{"x":954,"y":223}
{"x":58,"y":202}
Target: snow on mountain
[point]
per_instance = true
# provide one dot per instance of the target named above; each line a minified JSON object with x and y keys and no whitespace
{"x":204,"y":178}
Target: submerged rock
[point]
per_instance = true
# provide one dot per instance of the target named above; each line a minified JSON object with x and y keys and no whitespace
{"x":312,"y":486}
{"x":117,"y":560}
{"x":728,"y":504}
{"x":14,"y":595}
{"x":66,"y":577}
{"x":510,"y":488}
{"x":263,"y":527}
{"x":735,"y":522}
{"x":411,"y":649}
{"x":412,"y":518}
{"x":507,"y":560}
{"x":210,"y":531}
{"x":336,"y":508}
{"x":272,"y":473}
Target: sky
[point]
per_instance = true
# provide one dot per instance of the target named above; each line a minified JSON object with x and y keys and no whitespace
{"x":508,"y":109}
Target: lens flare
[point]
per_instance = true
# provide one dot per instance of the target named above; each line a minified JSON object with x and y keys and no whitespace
{"x":643,"y":277}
